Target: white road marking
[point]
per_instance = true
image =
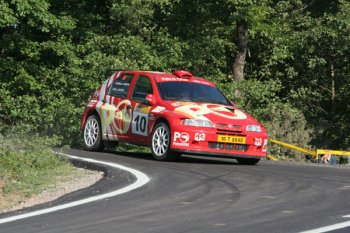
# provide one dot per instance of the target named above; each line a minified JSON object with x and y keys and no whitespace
{"x":331,"y":227}
{"x":141,"y":179}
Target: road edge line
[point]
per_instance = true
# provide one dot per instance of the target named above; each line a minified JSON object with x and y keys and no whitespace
{"x":329,"y":228}
{"x":141,"y":180}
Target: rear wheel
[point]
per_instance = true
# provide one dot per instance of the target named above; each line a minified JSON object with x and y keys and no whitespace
{"x":160,"y":144}
{"x":92,"y":134}
{"x":247,"y":161}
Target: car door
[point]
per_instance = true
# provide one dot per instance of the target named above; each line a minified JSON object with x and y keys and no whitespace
{"x":140,"y":115}
{"x":117,"y":110}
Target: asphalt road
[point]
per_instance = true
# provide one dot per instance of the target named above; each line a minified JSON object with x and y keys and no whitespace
{"x":201,"y":195}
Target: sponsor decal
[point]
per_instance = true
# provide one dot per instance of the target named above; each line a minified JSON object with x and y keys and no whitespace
{"x":192,"y":111}
{"x":116,"y":118}
{"x":237,"y":127}
{"x":258,"y":141}
{"x":224,"y":112}
{"x":181,"y":103}
{"x":158,"y":109}
{"x":181,"y":139}
{"x":199,"y":137}
{"x":169,"y":79}
{"x":91,"y":103}
{"x":122,"y":117}
{"x":201,"y":82}
{"x":142,"y":108}
{"x":106,"y":113}
{"x":151,"y":117}
{"x":265,"y":145}
{"x":197,"y":111}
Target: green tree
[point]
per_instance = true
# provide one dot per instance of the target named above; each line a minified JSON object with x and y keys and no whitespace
{"x":53,"y":54}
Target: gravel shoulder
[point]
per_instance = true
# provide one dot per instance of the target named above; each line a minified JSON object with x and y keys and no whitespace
{"x":82,"y":178}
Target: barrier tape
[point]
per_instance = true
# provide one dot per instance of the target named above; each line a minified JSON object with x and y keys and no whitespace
{"x":306,"y":151}
{"x":333,"y":152}
{"x":297,"y":148}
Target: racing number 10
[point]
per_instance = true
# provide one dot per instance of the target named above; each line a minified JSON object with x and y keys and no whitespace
{"x":141,"y":123}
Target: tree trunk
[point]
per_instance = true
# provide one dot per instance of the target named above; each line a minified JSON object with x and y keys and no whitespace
{"x":333,"y":90}
{"x":242,"y":45}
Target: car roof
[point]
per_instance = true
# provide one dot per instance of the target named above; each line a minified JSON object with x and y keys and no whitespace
{"x":175,"y":76}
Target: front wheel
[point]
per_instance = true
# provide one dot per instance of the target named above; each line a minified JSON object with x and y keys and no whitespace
{"x":160,"y":144}
{"x":92,"y":134}
{"x":247,"y":161}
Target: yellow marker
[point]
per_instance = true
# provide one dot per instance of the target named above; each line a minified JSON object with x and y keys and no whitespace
{"x":272,"y":158}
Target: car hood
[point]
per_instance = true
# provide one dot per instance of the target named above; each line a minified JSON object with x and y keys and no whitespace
{"x":216,"y":113}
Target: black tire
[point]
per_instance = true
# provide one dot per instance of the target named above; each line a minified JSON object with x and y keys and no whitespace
{"x":247,"y":161}
{"x":92,"y":135}
{"x":160,"y":143}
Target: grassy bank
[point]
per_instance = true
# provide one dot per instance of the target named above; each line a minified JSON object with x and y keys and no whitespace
{"x":28,"y":167}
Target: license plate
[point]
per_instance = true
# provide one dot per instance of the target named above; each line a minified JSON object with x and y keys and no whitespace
{"x":232,"y":139}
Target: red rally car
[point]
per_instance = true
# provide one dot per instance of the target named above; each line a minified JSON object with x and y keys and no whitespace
{"x":173,"y":113}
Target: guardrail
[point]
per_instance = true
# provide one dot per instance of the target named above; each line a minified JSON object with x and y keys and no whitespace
{"x":307,"y":151}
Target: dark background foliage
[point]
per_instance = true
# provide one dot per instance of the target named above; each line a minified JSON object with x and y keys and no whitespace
{"x":53,"y":54}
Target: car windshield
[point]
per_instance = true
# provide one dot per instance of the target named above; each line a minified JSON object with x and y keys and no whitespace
{"x":192,"y":92}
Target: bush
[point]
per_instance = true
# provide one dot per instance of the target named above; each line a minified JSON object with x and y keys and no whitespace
{"x":282,"y":121}
{"x":28,"y":165}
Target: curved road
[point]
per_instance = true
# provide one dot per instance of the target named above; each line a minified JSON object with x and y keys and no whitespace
{"x":201,"y":195}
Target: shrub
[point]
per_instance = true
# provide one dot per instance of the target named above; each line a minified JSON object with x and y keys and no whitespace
{"x":282,"y":121}
{"x":28,"y":165}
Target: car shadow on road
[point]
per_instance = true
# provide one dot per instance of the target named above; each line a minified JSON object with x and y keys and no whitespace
{"x":185,"y":158}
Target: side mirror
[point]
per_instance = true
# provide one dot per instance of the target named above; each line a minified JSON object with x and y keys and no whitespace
{"x":150,"y":99}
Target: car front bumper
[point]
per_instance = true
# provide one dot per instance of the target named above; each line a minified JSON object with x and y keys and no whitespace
{"x":205,"y":141}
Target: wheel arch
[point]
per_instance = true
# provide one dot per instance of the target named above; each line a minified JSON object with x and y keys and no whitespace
{"x":86,"y":116}
{"x":158,"y":120}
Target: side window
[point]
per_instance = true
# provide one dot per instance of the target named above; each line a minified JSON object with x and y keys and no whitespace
{"x":121,"y":85}
{"x":142,"y":87}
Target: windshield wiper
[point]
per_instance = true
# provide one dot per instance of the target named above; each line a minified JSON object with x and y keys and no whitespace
{"x":203,"y":100}
{"x":179,"y":99}
{"x":185,"y":99}
{"x":219,"y":102}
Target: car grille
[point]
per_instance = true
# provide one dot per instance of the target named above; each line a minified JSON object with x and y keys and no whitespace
{"x":227,"y":146}
{"x":227,"y":129}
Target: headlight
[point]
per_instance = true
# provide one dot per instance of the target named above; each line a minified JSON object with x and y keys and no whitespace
{"x":253,"y":128}
{"x":197,"y":122}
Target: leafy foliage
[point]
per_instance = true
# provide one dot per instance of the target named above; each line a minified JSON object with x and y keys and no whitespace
{"x":53,"y":55}
{"x":28,"y":166}
{"x":282,"y":120}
